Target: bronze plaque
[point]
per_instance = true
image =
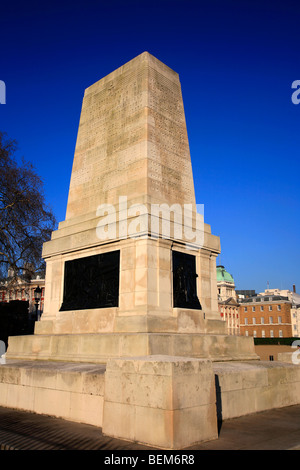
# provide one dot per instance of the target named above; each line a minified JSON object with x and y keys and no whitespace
{"x":92,"y":282}
{"x":184,"y":281}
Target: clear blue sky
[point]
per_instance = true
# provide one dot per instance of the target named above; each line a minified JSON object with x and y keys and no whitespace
{"x":236,"y":61}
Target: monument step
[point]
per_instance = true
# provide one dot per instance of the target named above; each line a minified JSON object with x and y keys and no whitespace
{"x":108,"y":321}
{"x":98,"y":348}
{"x":66,"y":390}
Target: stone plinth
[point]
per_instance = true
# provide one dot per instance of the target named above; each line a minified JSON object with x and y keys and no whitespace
{"x":250,"y":387}
{"x":290,"y":357}
{"x":64,"y":390}
{"x":76,"y":391}
{"x":98,"y":348}
{"x":145,"y":288}
{"x":162,"y":401}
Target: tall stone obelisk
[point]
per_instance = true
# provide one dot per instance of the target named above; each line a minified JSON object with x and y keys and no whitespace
{"x":133,"y":256}
{"x":132,"y":140}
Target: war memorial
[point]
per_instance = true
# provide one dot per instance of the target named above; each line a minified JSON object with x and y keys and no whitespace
{"x":131,"y":339}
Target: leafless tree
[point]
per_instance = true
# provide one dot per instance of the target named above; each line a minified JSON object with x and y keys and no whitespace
{"x":26,"y":221}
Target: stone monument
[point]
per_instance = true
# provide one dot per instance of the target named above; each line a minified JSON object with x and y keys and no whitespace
{"x":133,"y":256}
{"x":131,"y":330}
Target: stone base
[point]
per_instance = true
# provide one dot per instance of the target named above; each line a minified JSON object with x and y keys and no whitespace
{"x":108,"y":321}
{"x":290,"y":357}
{"x":98,"y":348}
{"x":64,"y":390}
{"x":243,"y":388}
{"x":163,"y":401}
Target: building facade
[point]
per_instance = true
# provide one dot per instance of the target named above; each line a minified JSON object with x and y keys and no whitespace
{"x":294,"y":298}
{"x":24,"y":290}
{"x":266,"y":316}
{"x":227,"y":301}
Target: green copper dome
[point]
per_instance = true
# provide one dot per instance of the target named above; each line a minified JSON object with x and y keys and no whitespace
{"x":223,"y":275}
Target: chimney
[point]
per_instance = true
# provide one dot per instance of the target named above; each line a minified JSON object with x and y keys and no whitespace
{"x":294,"y":288}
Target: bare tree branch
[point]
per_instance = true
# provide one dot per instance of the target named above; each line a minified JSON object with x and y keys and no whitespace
{"x":26,"y":221}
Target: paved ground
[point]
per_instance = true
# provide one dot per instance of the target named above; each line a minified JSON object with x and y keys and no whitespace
{"x":271,"y":430}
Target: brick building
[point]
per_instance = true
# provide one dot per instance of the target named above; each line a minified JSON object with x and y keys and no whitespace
{"x":295,"y":308}
{"x":266,"y":316}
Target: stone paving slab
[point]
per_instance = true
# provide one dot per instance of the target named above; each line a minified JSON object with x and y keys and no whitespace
{"x":277,"y":429}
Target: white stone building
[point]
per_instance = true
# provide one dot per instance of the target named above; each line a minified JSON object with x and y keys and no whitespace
{"x":227,"y":300}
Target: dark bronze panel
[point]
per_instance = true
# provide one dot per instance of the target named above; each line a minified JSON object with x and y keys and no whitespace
{"x":92,"y":282}
{"x":184,"y":281}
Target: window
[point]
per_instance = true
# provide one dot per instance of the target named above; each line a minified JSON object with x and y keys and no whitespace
{"x":263,"y":334}
{"x":280,"y":334}
{"x":270,"y":319}
{"x":254,"y":334}
{"x":246,"y":321}
{"x":254,"y":320}
{"x":271,"y":334}
{"x":246,"y":333}
{"x":262,"y":320}
{"x":261,"y":308}
{"x":245,"y":309}
{"x":253,"y":309}
{"x":279,"y":319}
{"x":279,"y":307}
{"x":270,"y":308}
